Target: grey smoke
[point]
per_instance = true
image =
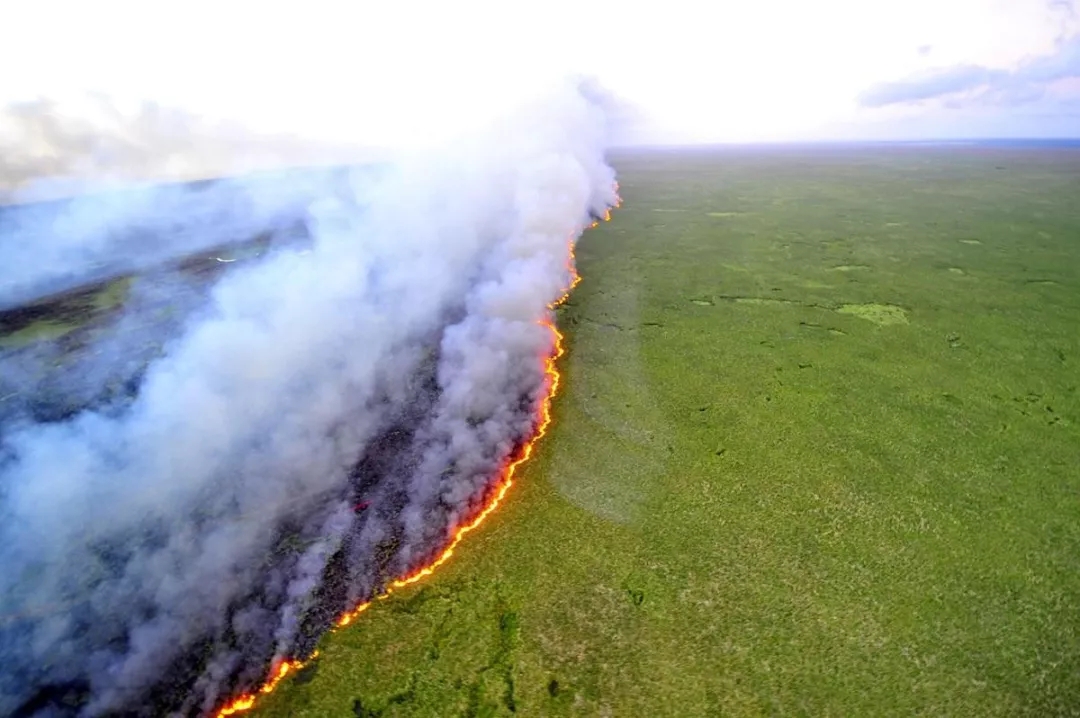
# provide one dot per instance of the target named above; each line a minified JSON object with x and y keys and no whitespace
{"x":76,"y":201}
{"x":54,"y":246}
{"x":54,"y":147}
{"x":209,"y":527}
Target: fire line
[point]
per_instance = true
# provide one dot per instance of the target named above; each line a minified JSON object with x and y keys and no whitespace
{"x":505,"y":480}
{"x":246,"y":701}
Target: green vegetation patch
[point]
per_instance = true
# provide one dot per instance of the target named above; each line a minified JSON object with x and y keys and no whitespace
{"x":43,"y":330}
{"x":750,"y":510}
{"x":112,"y":295}
{"x":57,"y":317}
{"x":882,"y":314}
{"x":761,"y":301}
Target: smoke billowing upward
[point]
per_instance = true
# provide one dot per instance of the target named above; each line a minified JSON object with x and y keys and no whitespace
{"x":315,"y":430}
{"x":51,"y":147}
{"x":75,"y":203}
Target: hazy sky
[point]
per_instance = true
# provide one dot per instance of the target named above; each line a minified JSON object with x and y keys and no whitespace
{"x":401,"y":72}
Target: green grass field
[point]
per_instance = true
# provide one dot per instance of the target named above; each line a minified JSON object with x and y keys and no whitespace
{"x":817,"y":452}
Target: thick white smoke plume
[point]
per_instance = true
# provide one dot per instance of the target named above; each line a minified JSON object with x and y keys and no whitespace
{"x":54,"y":147}
{"x":75,"y":202}
{"x":155,"y":559}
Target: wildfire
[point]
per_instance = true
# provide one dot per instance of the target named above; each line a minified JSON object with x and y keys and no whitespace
{"x":607,"y":214}
{"x":551,"y":384}
{"x":247,"y":701}
{"x":504,"y":483}
{"x":505,"y":480}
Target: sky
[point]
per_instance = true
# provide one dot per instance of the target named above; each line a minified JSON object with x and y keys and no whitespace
{"x":406,"y":73}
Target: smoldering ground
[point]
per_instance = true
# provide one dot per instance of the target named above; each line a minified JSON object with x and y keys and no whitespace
{"x":159,"y":555}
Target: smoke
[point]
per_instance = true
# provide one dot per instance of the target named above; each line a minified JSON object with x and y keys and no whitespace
{"x":157,"y":559}
{"x":55,"y":147}
{"x":73,"y":175}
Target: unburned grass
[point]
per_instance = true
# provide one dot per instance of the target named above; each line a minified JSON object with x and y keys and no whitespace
{"x":755,"y":501}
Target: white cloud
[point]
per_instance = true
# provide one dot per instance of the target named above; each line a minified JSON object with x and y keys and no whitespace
{"x":379,"y":71}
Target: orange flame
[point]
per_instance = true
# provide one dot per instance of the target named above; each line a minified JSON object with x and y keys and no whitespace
{"x":507,"y":479}
{"x":246,"y":701}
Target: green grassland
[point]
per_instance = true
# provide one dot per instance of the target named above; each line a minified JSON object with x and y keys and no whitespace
{"x":817,"y":453}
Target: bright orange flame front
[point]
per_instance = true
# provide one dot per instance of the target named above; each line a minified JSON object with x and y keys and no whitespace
{"x":246,"y":701}
{"x":506,"y":480}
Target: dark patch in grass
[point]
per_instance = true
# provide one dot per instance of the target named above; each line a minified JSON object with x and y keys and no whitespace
{"x":406,"y":696}
{"x":501,"y":662}
{"x":414,"y":603}
{"x":400,"y":698}
{"x":752,"y":300}
{"x":508,"y":695}
{"x":636,"y":597}
{"x":553,"y":688}
{"x":72,"y":307}
{"x":361,"y":711}
{"x":475,"y":708}
{"x":508,"y":628}
{"x":307,"y":673}
{"x":440,"y":634}
{"x":721,"y":451}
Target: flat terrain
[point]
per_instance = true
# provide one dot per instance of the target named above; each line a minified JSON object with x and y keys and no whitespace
{"x":88,"y":334}
{"x":817,"y":452}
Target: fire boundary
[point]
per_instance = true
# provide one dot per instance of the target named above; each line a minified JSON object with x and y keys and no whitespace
{"x":505,"y":479}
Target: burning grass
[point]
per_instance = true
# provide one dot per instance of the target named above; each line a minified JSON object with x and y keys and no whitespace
{"x":748,"y":507}
{"x":763,"y":507}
